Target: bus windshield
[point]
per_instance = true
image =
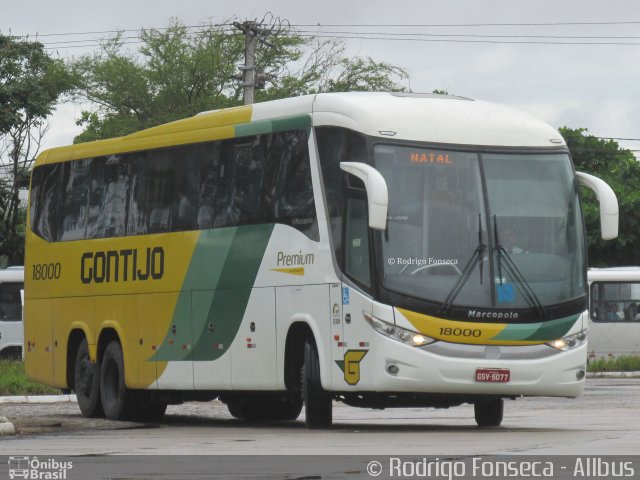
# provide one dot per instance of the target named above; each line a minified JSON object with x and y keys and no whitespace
{"x":493,"y":230}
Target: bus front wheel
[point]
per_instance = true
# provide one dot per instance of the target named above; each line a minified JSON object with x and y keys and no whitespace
{"x":116,"y":398}
{"x":87,"y":382}
{"x":489,"y":412}
{"x":317,"y":401}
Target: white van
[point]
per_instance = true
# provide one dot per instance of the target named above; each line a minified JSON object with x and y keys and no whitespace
{"x":614,"y":312}
{"x":11,"y":326}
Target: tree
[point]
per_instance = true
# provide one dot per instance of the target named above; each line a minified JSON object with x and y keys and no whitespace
{"x":620,"y":169}
{"x":178,"y":72}
{"x":31,"y":83}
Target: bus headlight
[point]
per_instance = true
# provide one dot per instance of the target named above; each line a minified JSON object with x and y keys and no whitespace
{"x":408,"y":337}
{"x":569,"y":342}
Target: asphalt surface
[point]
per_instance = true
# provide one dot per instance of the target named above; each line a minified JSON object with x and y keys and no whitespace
{"x":605,"y":420}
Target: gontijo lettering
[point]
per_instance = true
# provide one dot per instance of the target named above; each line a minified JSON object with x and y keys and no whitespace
{"x":122,"y":265}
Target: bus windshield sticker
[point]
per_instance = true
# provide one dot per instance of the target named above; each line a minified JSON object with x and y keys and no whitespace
{"x":506,"y":293}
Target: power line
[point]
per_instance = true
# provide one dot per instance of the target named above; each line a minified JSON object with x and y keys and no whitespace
{"x":474,"y":35}
{"x":448,"y":40}
{"x":408,"y":25}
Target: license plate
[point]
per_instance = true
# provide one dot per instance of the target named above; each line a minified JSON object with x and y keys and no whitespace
{"x":493,"y":375}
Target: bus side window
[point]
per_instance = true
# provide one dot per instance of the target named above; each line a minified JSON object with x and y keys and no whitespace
{"x":152,"y":192}
{"x":48,"y":202}
{"x":208,"y":159}
{"x":96,"y":194}
{"x":357,"y":264}
{"x":290,"y":199}
{"x":115,"y":193}
{"x":10,"y":302}
{"x":187,"y":183}
{"x":73,"y":218}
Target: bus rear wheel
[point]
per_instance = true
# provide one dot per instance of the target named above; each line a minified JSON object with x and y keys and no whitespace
{"x":87,"y":382}
{"x":116,"y":397}
{"x":317,"y":400}
{"x":489,"y":412}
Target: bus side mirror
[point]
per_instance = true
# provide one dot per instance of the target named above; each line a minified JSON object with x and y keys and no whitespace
{"x":377,"y":194}
{"x":608,"y":204}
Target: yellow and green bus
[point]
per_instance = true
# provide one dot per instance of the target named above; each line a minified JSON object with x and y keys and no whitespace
{"x":379,"y":249}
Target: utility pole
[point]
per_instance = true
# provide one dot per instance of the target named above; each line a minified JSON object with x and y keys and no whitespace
{"x":251,"y":78}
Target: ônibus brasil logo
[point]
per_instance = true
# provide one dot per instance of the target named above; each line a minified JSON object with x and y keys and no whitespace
{"x":34,"y":469}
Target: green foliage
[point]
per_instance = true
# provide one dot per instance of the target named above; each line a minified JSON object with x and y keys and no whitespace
{"x":615,"y":364}
{"x":31,"y":82}
{"x":13,"y":381}
{"x":178,"y":72}
{"x":620,"y":169}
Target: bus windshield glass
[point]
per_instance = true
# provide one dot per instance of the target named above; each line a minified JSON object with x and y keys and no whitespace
{"x":466,"y":229}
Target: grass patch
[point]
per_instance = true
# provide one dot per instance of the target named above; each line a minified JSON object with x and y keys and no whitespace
{"x":13,"y":381}
{"x":615,"y":364}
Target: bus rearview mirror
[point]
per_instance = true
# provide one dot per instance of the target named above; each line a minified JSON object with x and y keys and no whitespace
{"x":377,"y":194}
{"x":608,"y":204}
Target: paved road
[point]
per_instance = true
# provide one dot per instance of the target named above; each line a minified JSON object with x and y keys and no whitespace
{"x":606,"y":420}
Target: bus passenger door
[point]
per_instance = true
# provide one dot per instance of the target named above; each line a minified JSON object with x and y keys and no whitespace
{"x":355,"y":302}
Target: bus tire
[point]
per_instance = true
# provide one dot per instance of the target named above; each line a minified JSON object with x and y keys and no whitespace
{"x":264,"y":407}
{"x":86,"y":382}
{"x":317,"y":401}
{"x":116,"y":397}
{"x":489,"y":412}
{"x":288,"y":409}
{"x":147,"y":409}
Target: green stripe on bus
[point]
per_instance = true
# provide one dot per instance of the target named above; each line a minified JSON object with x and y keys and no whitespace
{"x":269,"y":126}
{"x":215,"y":292}
{"x":540,"y":331}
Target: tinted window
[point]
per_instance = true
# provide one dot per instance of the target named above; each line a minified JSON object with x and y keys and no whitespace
{"x":188,"y":173}
{"x":240,"y":182}
{"x":48,"y":201}
{"x":357,"y":264}
{"x":337,"y":145}
{"x":208,"y":158}
{"x":615,"y":302}
{"x":290,"y":193}
{"x":152,"y":192}
{"x":200,"y":186}
{"x":73,"y":219}
{"x":10,"y":302}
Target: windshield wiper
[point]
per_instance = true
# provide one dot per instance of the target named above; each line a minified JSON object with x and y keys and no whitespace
{"x":511,"y":268}
{"x":476,"y":258}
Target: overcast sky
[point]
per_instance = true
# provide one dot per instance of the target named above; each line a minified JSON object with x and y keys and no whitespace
{"x":590,"y":85}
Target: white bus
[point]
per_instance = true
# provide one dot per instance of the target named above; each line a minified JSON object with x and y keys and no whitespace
{"x":11,"y":327}
{"x":380,"y":249}
{"x":614,"y":312}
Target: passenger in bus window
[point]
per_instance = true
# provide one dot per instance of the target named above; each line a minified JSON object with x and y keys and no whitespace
{"x":612,"y":312}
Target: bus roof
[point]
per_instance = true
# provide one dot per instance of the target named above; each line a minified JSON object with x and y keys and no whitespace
{"x":12,"y":275}
{"x":444,"y":119}
{"x":614,"y":274}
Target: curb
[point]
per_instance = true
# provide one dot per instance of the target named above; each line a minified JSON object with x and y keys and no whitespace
{"x":613,"y":375}
{"x":38,"y":399}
